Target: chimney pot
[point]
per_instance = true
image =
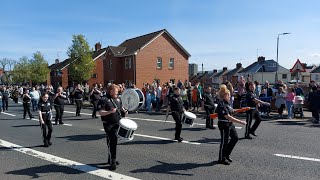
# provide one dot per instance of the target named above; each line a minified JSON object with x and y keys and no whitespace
{"x":97,"y":46}
{"x":261,"y":59}
{"x":239,"y":65}
{"x":57,"y":61}
{"x":225,"y":68}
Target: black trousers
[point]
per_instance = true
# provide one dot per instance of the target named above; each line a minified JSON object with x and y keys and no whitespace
{"x":280,"y":110}
{"x":252,"y":114}
{"x":95,"y":108}
{"x":209,"y":122}
{"x":59,"y":113}
{"x":177,"y":118}
{"x":26,"y":109}
{"x":79,"y":105}
{"x":47,"y":125}
{"x":112,"y":140}
{"x":5,"y":105}
{"x":227,"y":130}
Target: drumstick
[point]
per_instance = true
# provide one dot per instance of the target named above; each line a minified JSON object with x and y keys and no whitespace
{"x":213,"y":116}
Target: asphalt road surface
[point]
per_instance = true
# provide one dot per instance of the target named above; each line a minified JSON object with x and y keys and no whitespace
{"x":284,"y":149}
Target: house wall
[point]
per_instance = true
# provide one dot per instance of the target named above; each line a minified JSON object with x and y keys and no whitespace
{"x":267,"y":76}
{"x":98,"y":70}
{"x":146,"y":62}
{"x":315,"y":77}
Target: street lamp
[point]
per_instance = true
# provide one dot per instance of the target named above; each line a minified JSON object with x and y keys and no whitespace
{"x":276,"y":78}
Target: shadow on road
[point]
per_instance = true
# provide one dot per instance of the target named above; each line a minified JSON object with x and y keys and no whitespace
{"x":184,"y":129}
{"x":26,"y":125}
{"x":35,"y":172}
{"x":84,"y":137}
{"x":148,"y":142}
{"x":171,"y":168}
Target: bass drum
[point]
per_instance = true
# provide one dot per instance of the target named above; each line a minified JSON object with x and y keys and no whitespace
{"x":132,"y":99}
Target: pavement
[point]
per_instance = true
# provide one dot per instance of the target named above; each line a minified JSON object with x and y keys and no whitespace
{"x":284,"y":149}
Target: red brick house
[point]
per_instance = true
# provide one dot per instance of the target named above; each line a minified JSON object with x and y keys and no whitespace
{"x":145,"y":59}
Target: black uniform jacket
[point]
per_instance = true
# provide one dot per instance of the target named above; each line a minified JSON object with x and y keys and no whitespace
{"x":208,"y":100}
{"x":223,"y":109}
{"x":110,"y":103}
{"x":176,"y":103}
{"x":250,"y":96}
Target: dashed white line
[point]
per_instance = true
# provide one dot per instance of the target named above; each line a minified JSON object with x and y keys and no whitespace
{"x":297,"y":157}
{"x":66,"y":162}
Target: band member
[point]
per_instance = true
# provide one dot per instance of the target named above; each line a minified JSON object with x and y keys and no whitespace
{"x":95,"y":96}
{"x":176,"y":105}
{"x":26,"y":104}
{"x":45,"y":119}
{"x":209,"y":107}
{"x":252,"y":102}
{"x":78,"y":95}
{"x":59,"y":105}
{"x":15,"y":94}
{"x":5,"y":99}
{"x":111,"y":113}
{"x":51,"y":96}
{"x":226,"y":127}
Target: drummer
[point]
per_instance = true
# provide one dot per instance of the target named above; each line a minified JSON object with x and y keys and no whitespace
{"x":177,"y":109}
{"x":226,"y":127}
{"x":111,"y":114}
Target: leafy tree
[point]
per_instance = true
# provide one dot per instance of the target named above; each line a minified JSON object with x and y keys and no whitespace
{"x":22,"y":70}
{"x":39,"y":68}
{"x":82,"y":66}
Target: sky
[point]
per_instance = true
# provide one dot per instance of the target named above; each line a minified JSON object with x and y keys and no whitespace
{"x":217,"y":33}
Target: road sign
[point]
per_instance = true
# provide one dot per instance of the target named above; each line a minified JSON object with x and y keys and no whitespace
{"x":298,"y":67}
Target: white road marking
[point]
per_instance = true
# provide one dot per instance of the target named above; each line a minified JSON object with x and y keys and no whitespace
{"x":297,"y":157}
{"x":8,"y":114}
{"x":162,"y":138}
{"x":151,"y":120}
{"x":65,"y":162}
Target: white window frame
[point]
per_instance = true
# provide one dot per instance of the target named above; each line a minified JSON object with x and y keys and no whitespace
{"x":159,"y":63}
{"x":171,"y":63}
{"x":127,"y":64}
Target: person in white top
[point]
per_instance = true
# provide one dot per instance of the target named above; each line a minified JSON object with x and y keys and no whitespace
{"x":35,"y":96}
{"x":158,"y":97}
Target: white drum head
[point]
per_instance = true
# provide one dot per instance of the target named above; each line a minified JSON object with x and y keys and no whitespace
{"x":131,"y":99}
{"x":128,"y":123}
{"x":190,"y":115}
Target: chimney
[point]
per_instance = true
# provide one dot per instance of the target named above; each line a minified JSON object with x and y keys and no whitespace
{"x":97,"y":46}
{"x":261,"y":59}
{"x":225,"y":68}
{"x":239,"y":65}
{"x":215,"y":71}
{"x":56,"y":61}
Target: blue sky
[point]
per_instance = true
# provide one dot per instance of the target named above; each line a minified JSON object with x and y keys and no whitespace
{"x":216,"y":33}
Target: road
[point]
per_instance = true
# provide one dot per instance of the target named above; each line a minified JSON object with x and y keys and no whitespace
{"x":284,"y":149}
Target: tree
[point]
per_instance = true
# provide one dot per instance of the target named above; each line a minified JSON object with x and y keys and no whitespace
{"x":11,"y":62}
{"x":22,"y":70}
{"x":82,"y":67}
{"x":4,"y":62}
{"x":39,"y":68}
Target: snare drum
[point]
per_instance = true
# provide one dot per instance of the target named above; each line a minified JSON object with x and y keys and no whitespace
{"x":188,"y":118}
{"x":126,"y":129}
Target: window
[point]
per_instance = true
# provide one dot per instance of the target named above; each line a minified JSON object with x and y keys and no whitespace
{"x":171,"y":63}
{"x":110,"y":63}
{"x":159,"y":63}
{"x":127,"y":64}
{"x":94,"y":75}
{"x":284,"y":76}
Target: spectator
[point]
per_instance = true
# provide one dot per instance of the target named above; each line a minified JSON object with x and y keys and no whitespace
{"x":289,"y":102}
{"x":280,"y":101}
{"x":35,"y":96}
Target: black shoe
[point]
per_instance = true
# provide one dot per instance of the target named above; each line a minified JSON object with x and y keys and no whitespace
{"x":253,"y":133}
{"x":117,"y":162}
{"x":225,"y":162}
{"x":56,"y":123}
{"x":45,"y":143}
{"x":31,"y":117}
{"x":113,"y":165}
{"x":49,"y":143}
{"x":248,"y":137}
{"x":180,"y":139}
{"x":229,"y":159}
{"x":24,"y":117}
{"x":61,"y":122}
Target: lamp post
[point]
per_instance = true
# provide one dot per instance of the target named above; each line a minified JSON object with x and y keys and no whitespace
{"x":276,"y":78}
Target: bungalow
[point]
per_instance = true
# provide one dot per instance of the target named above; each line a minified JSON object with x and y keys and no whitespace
{"x":315,"y":74}
{"x":263,"y":70}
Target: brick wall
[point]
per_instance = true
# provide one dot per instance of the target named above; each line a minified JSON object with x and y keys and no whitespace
{"x":98,"y":71}
{"x":146,"y":59}
{"x":64,"y":78}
